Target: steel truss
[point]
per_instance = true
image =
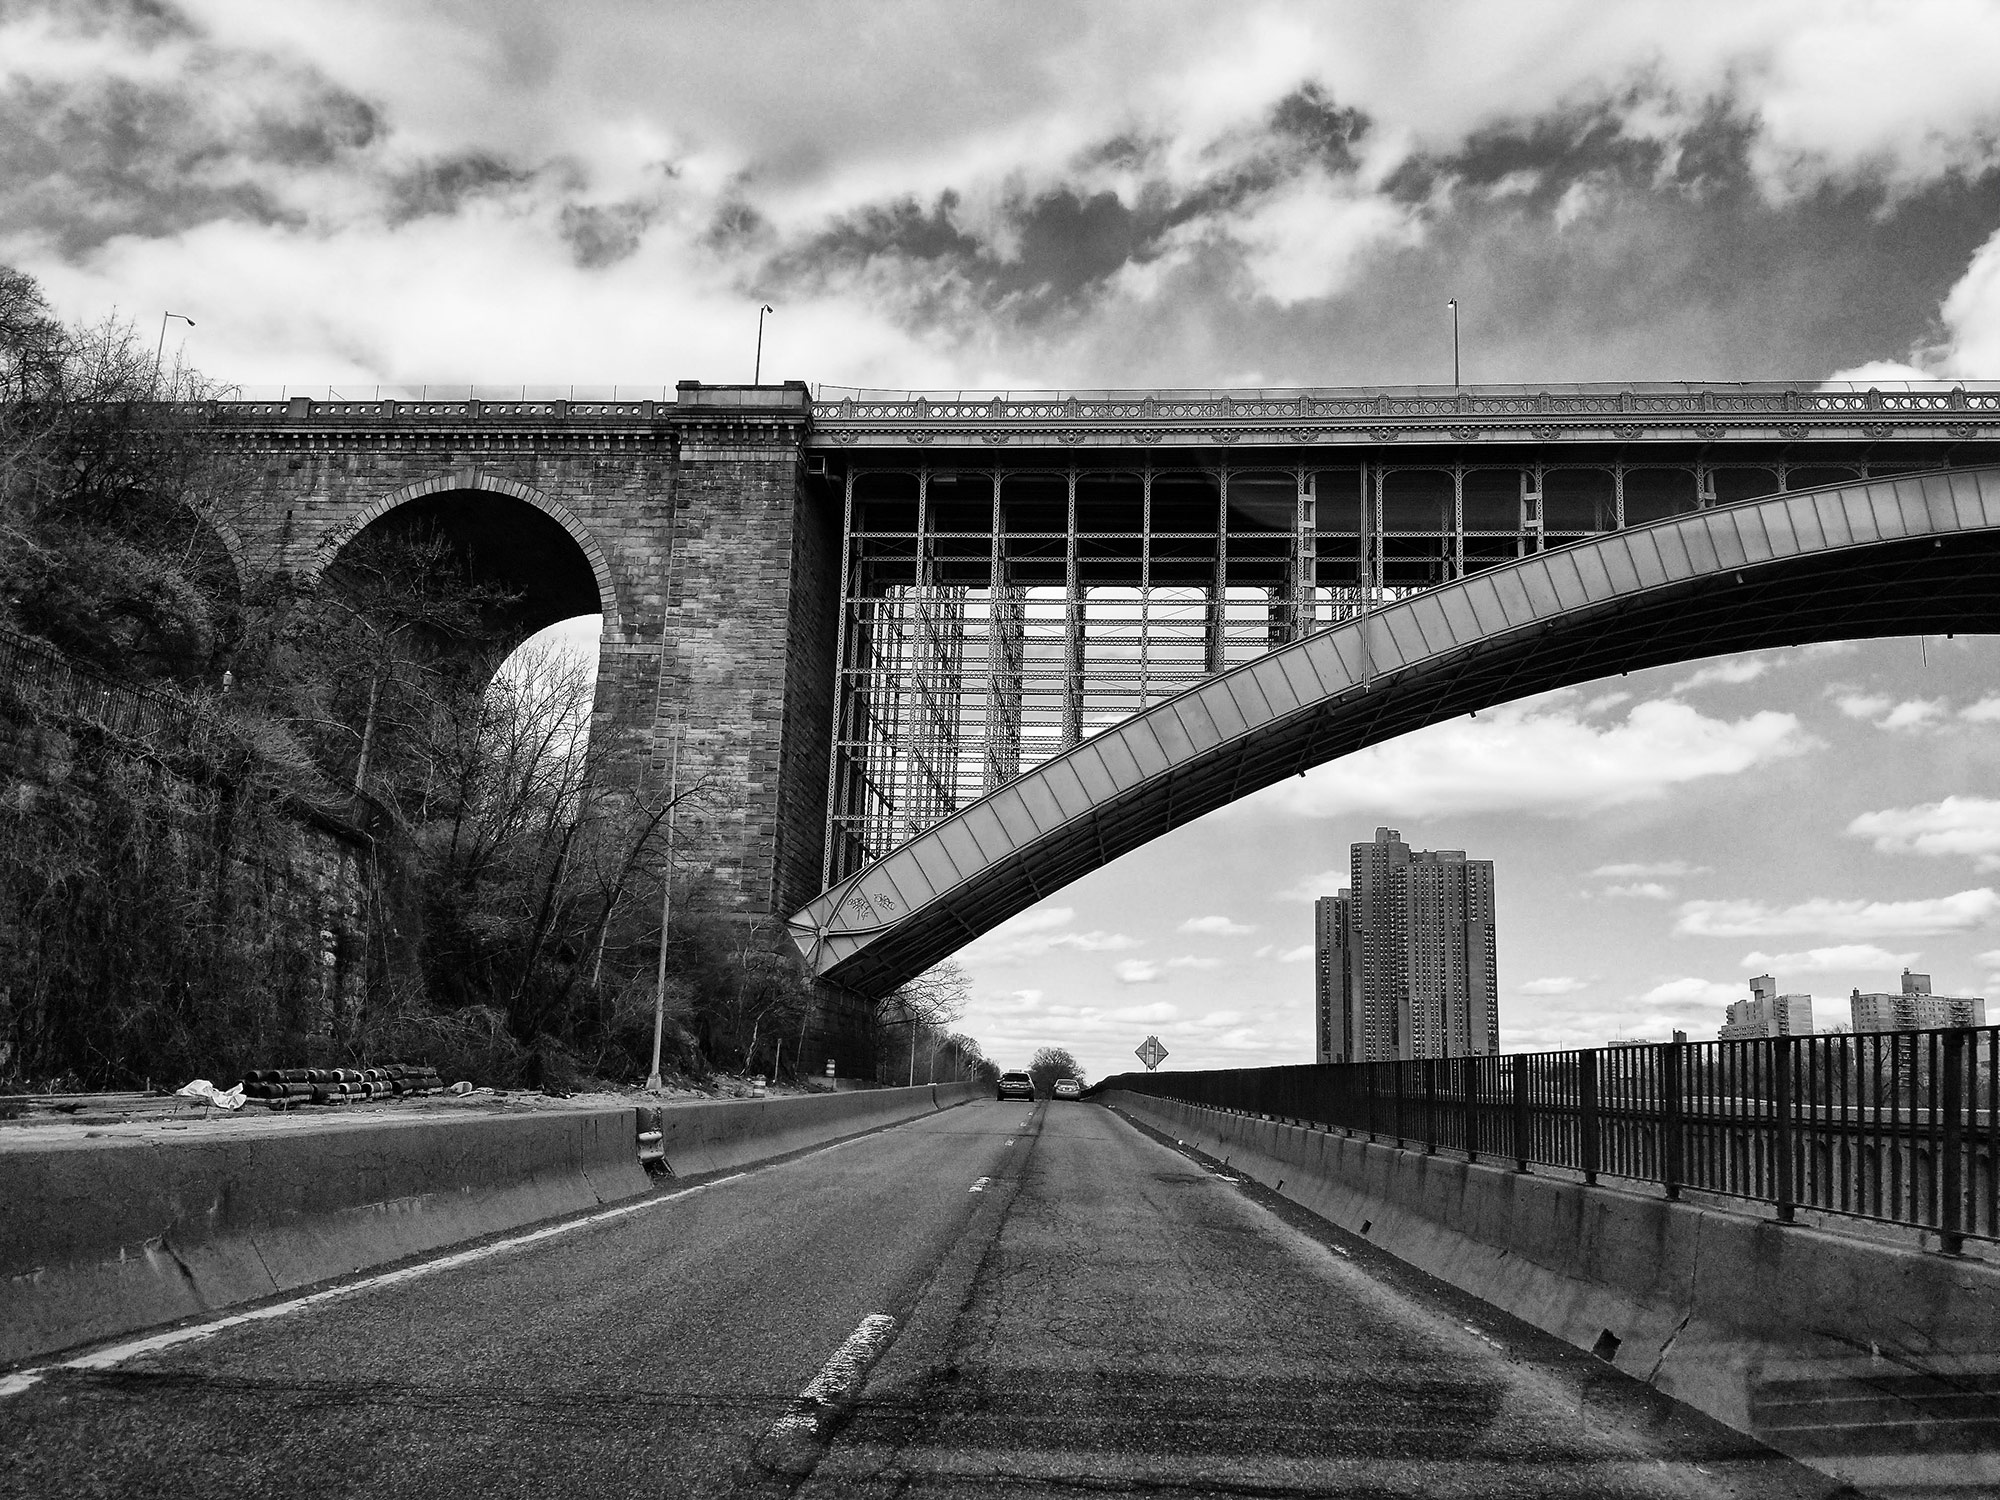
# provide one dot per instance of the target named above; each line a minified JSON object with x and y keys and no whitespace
{"x":992,"y":616}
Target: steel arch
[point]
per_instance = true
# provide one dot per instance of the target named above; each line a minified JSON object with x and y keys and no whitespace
{"x":1909,"y":555}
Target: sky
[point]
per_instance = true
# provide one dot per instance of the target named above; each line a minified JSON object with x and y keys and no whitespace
{"x":1108,"y":195}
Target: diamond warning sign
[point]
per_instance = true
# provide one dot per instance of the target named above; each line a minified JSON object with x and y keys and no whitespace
{"x":1151,"y":1053}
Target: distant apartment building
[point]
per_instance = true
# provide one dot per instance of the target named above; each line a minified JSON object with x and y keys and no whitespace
{"x":1915,"y":1008}
{"x":1335,"y":978}
{"x":1404,"y":957}
{"x":1768,"y":1013}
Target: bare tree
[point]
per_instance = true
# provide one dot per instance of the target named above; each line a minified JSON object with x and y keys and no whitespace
{"x":927,"y":1006}
{"x":1051,"y":1063}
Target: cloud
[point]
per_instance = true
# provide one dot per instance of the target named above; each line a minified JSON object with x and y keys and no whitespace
{"x":1985,"y":711}
{"x":1312,"y":887}
{"x":1158,"y":1010}
{"x":1645,"y":890}
{"x":1971,"y":316}
{"x":1668,"y":868}
{"x":1190,"y":961}
{"x":1844,"y":958}
{"x":1968,"y":827}
{"x":1861,"y":705}
{"x":1586,"y":1017}
{"x":1849,"y":919}
{"x":1885,"y":713}
{"x":1543,"y":755}
{"x":1297,"y":955}
{"x":1036,"y":919}
{"x":1216,"y":926}
{"x":1692,"y":992}
{"x":1136,"y":971}
{"x":1558,"y":984}
{"x":1731,"y":670}
{"x":1037,"y":932}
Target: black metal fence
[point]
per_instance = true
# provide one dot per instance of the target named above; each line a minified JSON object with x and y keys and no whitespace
{"x":1901,"y":1127}
{"x":33,"y":673}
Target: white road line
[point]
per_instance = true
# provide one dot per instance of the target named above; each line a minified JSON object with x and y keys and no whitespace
{"x":836,"y":1385}
{"x":117,"y":1354}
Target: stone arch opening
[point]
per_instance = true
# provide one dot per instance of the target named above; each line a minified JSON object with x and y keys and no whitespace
{"x":426,"y":598}
{"x":507,"y":538}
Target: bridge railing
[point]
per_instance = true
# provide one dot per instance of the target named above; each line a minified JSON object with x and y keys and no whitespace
{"x":1901,"y":1127}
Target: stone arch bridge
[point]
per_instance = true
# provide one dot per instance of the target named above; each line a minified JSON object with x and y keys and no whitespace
{"x":941,"y":654}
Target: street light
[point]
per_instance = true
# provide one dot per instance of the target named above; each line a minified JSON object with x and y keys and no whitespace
{"x":160,"y":348}
{"x":757,"y":374}
{"x":1453,"y":305}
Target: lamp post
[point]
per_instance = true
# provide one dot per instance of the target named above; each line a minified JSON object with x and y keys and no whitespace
{"x":160,"y":348}
{"x":666,"y":907}
{"x":1453,"y":305}
{"x":757,"y":373}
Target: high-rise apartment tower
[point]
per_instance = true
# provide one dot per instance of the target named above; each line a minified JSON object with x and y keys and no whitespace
{"x":1404,"y":961}
{"x":1767,"y":1013}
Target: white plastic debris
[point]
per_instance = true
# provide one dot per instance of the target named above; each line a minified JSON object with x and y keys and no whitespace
{"x":208,"y":1093}
{"x":461,"y":1087}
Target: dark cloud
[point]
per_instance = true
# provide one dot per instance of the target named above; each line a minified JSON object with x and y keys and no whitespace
{"x":1056,"y":248}
{"x":1641,"y":285}
{"x":84,"y":160}
{"x":146,"y":23}
{"x":443,"y":187}
{"x":84,"y":164}
{"x":1581,"y":244}
{"x":1327,"y":130}
{"x":604,"y":235}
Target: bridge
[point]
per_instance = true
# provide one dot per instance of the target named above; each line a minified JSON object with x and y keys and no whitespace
{"x":943,"y":653}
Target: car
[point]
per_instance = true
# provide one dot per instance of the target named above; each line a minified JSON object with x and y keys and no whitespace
{"x":1016,"y":1086}
{"x":1068,"y":1088}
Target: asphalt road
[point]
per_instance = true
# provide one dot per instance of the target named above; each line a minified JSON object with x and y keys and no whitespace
{"x":1000,"y":1300}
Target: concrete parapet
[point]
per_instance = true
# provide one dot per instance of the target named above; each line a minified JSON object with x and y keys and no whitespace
{"x":103,"y":1237}
{"x":1873,"y":1361}
{"x":733,"y":1132}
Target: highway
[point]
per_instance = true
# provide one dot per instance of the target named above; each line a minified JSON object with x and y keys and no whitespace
{"x":1001,"y":1300}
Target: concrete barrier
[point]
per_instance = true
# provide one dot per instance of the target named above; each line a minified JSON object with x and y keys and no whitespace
{"x":103,"y":1237}
{"x":715,"y":1137}
{"x":1874,"y":1361}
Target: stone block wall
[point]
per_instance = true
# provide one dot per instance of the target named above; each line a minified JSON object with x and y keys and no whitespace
{"x":283,"y":896}
{"x":717,"y":569}
{"x":728,"y":667}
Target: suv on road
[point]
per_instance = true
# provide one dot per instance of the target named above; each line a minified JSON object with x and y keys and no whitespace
{"x":1016,"y":1086}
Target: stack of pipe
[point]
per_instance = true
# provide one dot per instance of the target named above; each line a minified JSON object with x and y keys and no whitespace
{"x":282,"y":1088}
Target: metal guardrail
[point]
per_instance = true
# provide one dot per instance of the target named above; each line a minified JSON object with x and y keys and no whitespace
{"x":1898,"y":1127}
